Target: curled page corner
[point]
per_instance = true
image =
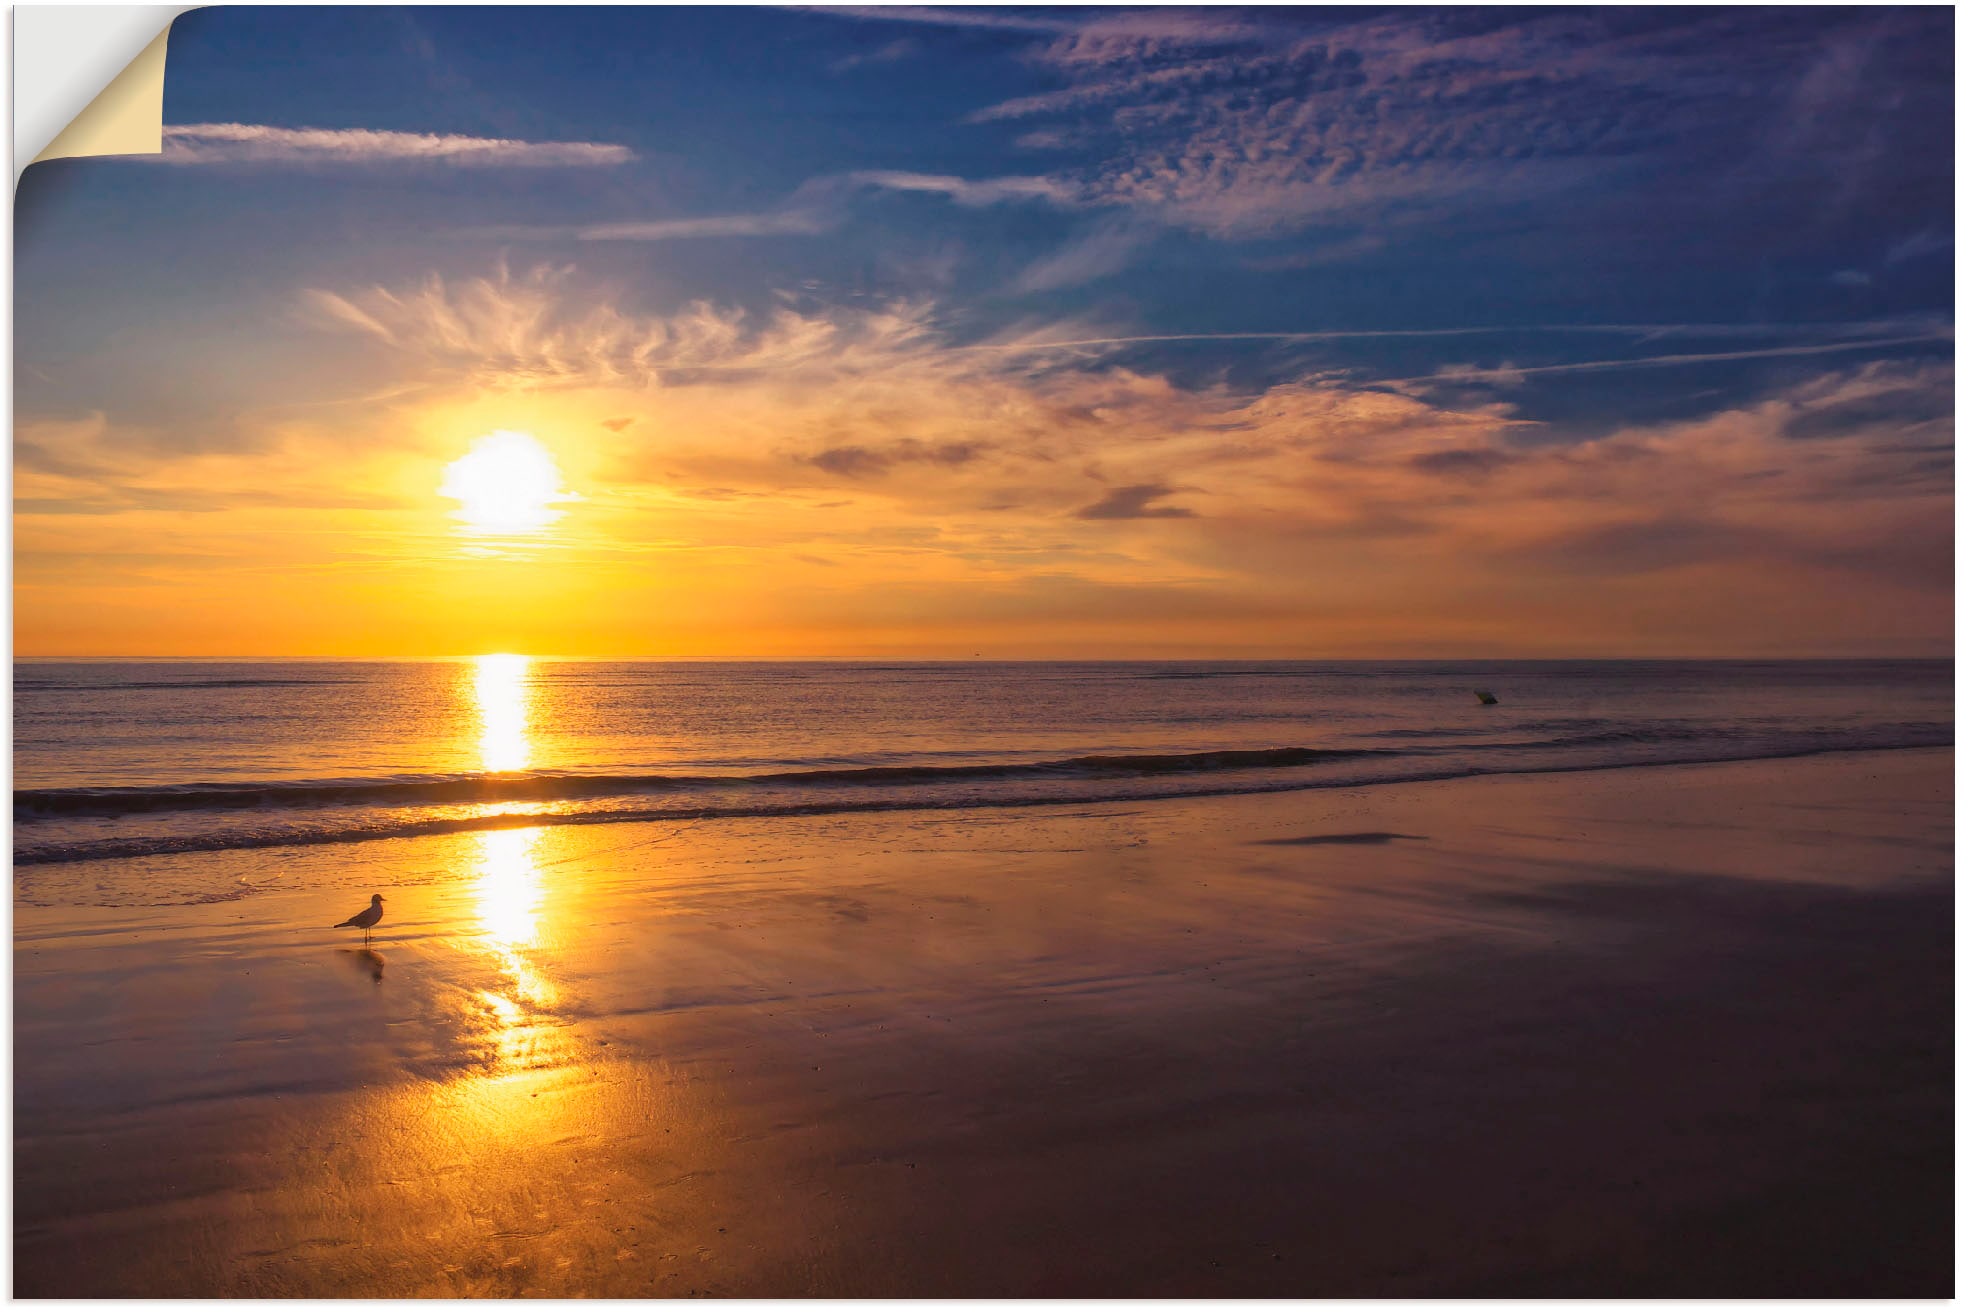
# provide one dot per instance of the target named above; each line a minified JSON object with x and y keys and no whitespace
{"x":89,"y":80}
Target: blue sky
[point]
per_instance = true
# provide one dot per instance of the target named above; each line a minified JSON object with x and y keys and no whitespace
{"x":1567,"y":227}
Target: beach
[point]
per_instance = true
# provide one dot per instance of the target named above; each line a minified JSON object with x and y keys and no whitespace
{"x":1674,"y":1030}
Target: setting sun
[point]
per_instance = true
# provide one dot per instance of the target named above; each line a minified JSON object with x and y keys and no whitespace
{"x":507,"y":483}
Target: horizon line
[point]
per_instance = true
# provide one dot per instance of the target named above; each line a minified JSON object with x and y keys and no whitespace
{"x":957,"y":660}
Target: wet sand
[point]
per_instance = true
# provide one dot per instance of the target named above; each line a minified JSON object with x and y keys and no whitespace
{"x":1666,"y":1031}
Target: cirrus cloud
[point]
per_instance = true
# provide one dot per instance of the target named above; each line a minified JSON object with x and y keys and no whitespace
{"x":259,"y":143}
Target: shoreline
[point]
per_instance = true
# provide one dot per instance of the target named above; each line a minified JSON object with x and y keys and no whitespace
{"x":1589,"y":1032}
{"x":409,"y":830}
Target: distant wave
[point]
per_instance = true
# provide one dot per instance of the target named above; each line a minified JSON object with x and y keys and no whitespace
{"x":180,"y":685}
{"x":556,"y":786}
{"x":1237,"y":673}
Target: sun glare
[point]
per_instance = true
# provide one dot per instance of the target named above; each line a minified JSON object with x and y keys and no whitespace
{"x":502,"y":690}
{"x":507,"y":483}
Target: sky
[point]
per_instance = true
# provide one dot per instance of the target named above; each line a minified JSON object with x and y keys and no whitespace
{"x":1013,"y":332}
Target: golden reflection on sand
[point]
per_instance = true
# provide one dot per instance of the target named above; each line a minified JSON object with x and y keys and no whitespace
{"x":533,"y":1183}
{"x":502,"y":691}
{"x":509,"y":888}
{"x":509,"y":892}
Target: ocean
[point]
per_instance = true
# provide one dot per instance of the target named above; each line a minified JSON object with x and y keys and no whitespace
{"x":124,"y":772}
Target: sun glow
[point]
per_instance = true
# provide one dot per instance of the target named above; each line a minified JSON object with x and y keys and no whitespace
{"x":507,"y":484}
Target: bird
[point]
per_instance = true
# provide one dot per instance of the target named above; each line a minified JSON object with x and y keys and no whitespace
{"x":365,"y":920}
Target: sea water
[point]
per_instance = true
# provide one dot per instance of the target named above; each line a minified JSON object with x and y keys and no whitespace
{"x":120,"y":762}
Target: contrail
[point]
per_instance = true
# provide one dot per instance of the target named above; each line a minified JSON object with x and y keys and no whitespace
{"x":1637,"y":329}
{"x":1662,"y":361}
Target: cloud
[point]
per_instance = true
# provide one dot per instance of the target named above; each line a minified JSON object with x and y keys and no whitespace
{"x":1135,"y":36}
{"x":899,"y":49}
{"x":539,"y":329}
{"x":1919,"y":244}
{"x":981,"y":455}
{"x":984,"y":191}
{"x":1472,"y":462}
{"x":1511,"y":375}
{"x":1502,"y":375}
{"x":1898,"y":405}
{"x":991,"y":485}
{"x":1137,"y":26}
{"x":246,"y":143}
{"x":977,"y":17}
{"x":862,"y":461}
{"x":1106,"y":250}
{"x":1838,"y":118}
{"x":1132,"y":503}
{"x":1242,"y":127}
{"x":778,"y":223}
{"x":88,"y":466}
{"x":1855,"y":334}
{"x":820,"y":205}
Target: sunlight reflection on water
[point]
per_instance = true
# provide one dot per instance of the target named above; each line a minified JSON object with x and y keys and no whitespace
{"x":502,"y":691}
{"x":508,"y":891}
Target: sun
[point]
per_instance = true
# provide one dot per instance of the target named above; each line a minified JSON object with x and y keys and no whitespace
{"x":507,"y":483}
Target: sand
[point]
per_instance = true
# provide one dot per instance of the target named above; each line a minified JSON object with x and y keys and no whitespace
{"x":1661,"y":1031}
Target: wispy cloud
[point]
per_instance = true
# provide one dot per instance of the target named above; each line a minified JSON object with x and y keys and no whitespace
{"x":251,"y":143}
{"x":1134,"y":502}
{"x":1926,"y":242}
{"x":1514,"y":374}
{"x":1844,"y":335}
{"x":537,"y":329}
{"x":776,"y":223}
{"x":965,"y":191}
{"x":820,"y":205}
{"x":895,"y":51}
{"x":1134,"y":26}
{"x":1241,"y":126}
{"x":951,"y":16}
{"x":1106,"y":250}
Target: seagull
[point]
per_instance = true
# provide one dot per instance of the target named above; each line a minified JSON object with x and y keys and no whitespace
{"x":365,"y":920}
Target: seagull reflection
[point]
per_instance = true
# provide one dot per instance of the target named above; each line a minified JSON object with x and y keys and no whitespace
{"x":366,"y":961}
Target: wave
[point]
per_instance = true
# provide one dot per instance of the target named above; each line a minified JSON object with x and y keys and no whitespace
{"x":38,"y":805}
{"x":32,"y":804}
{"x":373,"y":826}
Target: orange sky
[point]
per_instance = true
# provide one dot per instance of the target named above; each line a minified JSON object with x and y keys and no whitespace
{"x":841,"y":483}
